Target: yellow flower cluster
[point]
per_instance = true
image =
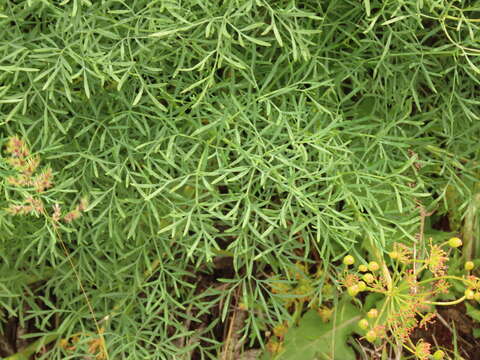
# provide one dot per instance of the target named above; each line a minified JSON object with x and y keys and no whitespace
{"x":408,"y":294}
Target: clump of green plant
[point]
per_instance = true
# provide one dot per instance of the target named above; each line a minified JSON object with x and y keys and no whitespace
{"x":404,"y":293}
{"x":224,"y":129}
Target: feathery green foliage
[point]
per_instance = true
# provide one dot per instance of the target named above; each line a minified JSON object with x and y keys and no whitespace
{"x":258,"y":132}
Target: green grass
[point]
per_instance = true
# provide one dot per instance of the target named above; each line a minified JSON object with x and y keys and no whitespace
{"x":265,"y":132}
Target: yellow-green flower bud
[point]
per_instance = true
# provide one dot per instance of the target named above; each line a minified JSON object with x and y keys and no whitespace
{"x":362,"y":286}
{"x":368,"y":278}
{"x":469,"y":294}
{"x":373,"y":266}
{"x":363,"y":324}
{"x":362,"y":268}
{"x":469,"y":265}
{"x":372,"y":314}
{"x":438,"y":355}
{"x":371,"y":336}
{"x":349,"y":260}
{"x":353,"y":290}
{"x":455,"y":242}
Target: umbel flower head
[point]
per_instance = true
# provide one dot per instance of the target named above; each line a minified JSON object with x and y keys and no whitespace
{"x":410,"y":287}
{"x":26,"y":165}
{"x":437,"y":260}
{"x":17,"y":148}
{"x":422,"y":350}
{"x":27,"y":175}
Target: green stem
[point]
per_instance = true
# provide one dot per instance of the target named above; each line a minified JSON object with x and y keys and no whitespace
{"x":470,"y":227}
{"x":441,"y":278}
{"x":298,"y":311}
{"x":446,"y":303}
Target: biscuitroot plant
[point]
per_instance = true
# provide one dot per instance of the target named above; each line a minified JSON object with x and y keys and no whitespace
{"x":405,"y":294}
